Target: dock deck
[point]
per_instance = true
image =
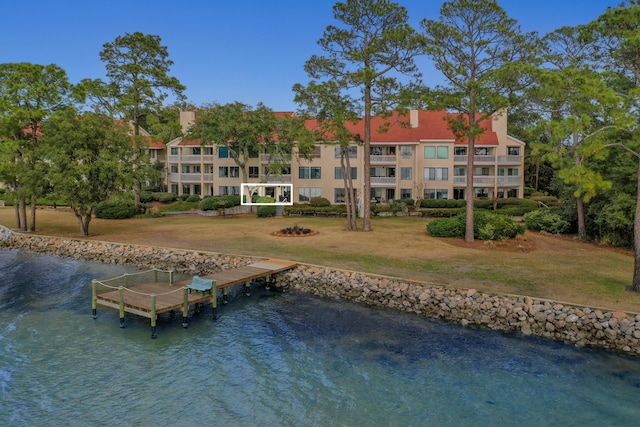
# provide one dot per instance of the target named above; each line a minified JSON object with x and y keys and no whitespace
{"x":152,"y":298}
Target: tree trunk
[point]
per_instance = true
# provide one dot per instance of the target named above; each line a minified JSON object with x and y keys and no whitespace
{"x":366,"y":225}
{"x":16,"y":208}
{"x":352,"y":211}
{"x":22,"y":214}
{"x":84,"y":221}
{"x":32,"y":227}
{"x":636,"y":238}
{"x":582,"y":229}
{"x":468,"y":232}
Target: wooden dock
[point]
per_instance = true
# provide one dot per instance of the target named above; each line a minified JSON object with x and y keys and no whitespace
{"x":151,"y":298}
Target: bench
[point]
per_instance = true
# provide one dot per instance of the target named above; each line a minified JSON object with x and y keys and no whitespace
{"x":200,"y":284}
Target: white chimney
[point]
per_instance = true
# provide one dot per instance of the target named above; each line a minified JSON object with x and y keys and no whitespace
{"x":187,"y":119}
{"x":413,"y":118}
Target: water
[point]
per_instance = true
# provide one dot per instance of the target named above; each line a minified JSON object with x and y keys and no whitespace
{"x":282,"y":360}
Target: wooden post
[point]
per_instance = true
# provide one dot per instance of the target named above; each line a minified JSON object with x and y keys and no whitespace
{"x":247,"y":288}
{"x":126,"y":279}
{"x":171,"y":277}
{"x":214,"y":300}
{"x":94,"y":298}
{"x":121,"y":303}
{"x":225,"y":295}
{"x":154,"y":318}
{"x":185,"y":308}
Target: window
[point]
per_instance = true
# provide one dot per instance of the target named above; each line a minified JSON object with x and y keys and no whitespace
{"x":513,"y":151}
{"x":185,"y":169}
{"x":309,"y":172}
{"x":153,"y":154}
{"x":197,"y":189}
{"x":208,"y":151}
{"x":436,"y":174}
{"x":391,"y":172}
{"x":174,"y":151}
{"x":196,"y":151}
{"x":479,"y":171}
{"x":406,"y":152}
{"x":234,"y":172}
{"x":174,"y":169}
{"x":174,"y":187}
{"x":338,"y":195}
{"x":406,"y":174}
{"x":375,"y":151}
{"x":460,"y":151}
{"x":305,"y":194}
{"x":512,"y":172}
{"x":512,"y":192}
{"x":316,"y":153}
{"x":235,"y":190}
{"x":482,"y":192}
{"x":436,"y":193}
{"x":405,"y":193}
{"x":351,"y":150}
{"x":254,"y":172}
{"x":483,"y":151}
{"x":223,"y":171}
{"x":223,"y":153}
{"x":443,"y":152}
{"x":338,"y":173}
{"x":223,"y":190}
{"x":186,"y":189}
{"x":195,"y":169}
{"x":429,"y":152}
{"x":377,"y":172}
{"x":459,"y":172}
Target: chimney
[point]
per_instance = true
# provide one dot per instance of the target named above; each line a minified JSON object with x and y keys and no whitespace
{"x":187,"y":119}
{"x":413,"y":118}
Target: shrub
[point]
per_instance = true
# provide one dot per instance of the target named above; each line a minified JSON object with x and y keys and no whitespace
{"x":165,"y":197}
{"x":409,"y":202}
{"x":486,"y":226}
{"x":146,"y":197}
{"x":266,"y":211}
{"x":118,"y":209}
{"x":546,"y":220}
{"x":398,"y":205}
{"x":319,"y":202}
{"x":193,"y":198}
{"x":210,"y":203}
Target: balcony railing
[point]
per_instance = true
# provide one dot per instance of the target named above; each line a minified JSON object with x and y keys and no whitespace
{"x":383,"y":180}
{"x":278,"y":178}
{"x":190,"y":177}
{"x":208,"y":158}
{"x":489,"y":160}
{"x":488,"y":181}
{"x":269,"y":158}
{"x":375,"y":159}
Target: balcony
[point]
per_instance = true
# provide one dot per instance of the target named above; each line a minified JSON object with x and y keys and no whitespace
{"x":280,"y":158}
{"x":488,"y":181}
{"x":509,"y":160}
{"x":192,"y":159}
{"x":195,"y":178}
{"x":477,"y":160}
{"x":279,"y":178}
{"x":383,"y":160}
{"x":383,"y":181}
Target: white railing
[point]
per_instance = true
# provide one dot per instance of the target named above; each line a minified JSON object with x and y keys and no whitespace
{"x":509,"y":160}
{"x":279,"y":178}
{"x":191,"y":159}
{"x":383,"y":180}
{"x":190,"y":177}
{"x":489,"y":181}
{"x":382,"y":159}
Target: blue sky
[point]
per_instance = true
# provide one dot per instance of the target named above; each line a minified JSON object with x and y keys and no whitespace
{"x":250,"y":51}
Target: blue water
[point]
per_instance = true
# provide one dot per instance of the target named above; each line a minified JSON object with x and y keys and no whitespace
{"x":277,"y":359}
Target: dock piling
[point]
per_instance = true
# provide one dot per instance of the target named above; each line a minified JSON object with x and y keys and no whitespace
{"x":94,"y":298}
{"x":185,"y":309}
{"x":121,"y":305}
{"x":154,"y":317}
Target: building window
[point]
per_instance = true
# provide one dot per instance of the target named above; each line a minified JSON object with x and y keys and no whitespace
{"x":223,"y":171}
{"x":223,"y":190}
{"x":235,"y":190}
{"x":186,"y":189}
{"x":234,"y":172}
{"x":174,"y":151}
{"x":338,"y":173}
{"x":306,"y":193}
{"x":405,"y":193}
{"x":406,"y":174}
{"x":254,"y":172}
{"x":309,"y":172}
{"x":316,"y":153}
{"x":223,"y":153}
{"x":338,"y":195}
{"x":406,"y":152}
{"x":479,"y":171}
{"x":433,"y":152}
{"x":512,"y":192}
{"x":436,"y":174}
{"x":153,"y":154}
{"x":185,"y":169}
{"x":174,"y":169}
{"x":352,"y":151}
{"x":483,"y":151}
{"x":482,"y":192}
{"x":377,"y":172}
{"x":197,"y":189}
{"x":196,"y":151}
{"x":436,"y":193}
{"x":174,"y":188}
{"x":513,"y":151}
{"x":460,"y":151}
{"x":195,"y":169}
{"x":459,"y":172}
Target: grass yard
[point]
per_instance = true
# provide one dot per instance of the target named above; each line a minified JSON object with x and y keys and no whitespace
{"x":553,"y":267}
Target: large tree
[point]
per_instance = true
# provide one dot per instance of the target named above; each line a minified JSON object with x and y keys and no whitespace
{"x":577,"y":106}
{"x":85,"y":152}
{"x":248,"y":132}
{"x":29,"y":94}
{"x":138,"y":68}
{"x":484,"y":58}
{"x":616,"y":35}
{"x":333,"y":110}
{"x":370,"y":49}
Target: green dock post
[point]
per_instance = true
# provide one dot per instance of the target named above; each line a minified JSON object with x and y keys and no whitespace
{"x":247,"y":288}
{"x":171,"y":277}
{"x":267,"y":285}
{"x":126,"y":279}
{"x":94,"y":298}
{"x":154,"y":318}
{"x":121,"y":303}
{"x":185,"y":309}
{"x":225,"y":295}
